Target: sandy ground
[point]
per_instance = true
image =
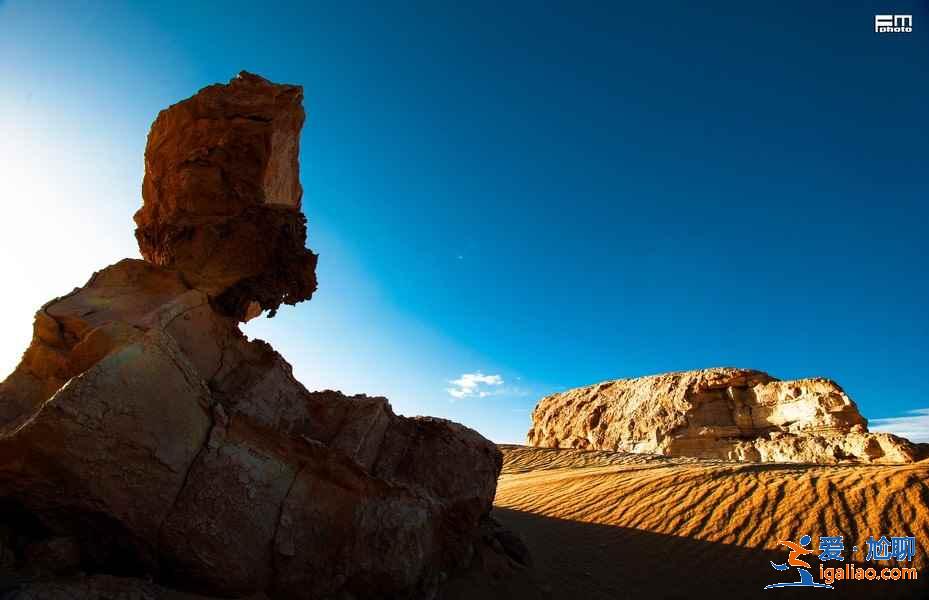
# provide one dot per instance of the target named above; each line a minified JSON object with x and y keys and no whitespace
{"x":613,"y":525}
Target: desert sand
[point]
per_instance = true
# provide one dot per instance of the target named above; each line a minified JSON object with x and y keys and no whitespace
{"x":603,"y":524}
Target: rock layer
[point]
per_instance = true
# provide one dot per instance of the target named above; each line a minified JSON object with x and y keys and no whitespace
{"x":143,"y":426}
{"x":735,"y":414}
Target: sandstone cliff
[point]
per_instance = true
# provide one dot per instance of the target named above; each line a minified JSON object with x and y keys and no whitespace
{"x":146,"y":430}
{"x":726,"y":413}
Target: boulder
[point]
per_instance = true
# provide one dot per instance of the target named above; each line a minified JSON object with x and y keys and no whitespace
{"x":143,"y":426}
{"x":735,"y":414}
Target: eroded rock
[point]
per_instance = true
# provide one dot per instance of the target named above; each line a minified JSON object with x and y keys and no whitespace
{"x":736,"y":414}
{"x":143,"y":425}
{"x":222,"y":195}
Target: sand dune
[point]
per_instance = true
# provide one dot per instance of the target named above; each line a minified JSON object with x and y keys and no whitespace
{"x":612,"y":525}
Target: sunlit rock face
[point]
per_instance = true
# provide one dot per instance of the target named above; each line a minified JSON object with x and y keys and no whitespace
{"x":736,"y":414}
{"x":222,"y":194}
{"x":143,"y":426}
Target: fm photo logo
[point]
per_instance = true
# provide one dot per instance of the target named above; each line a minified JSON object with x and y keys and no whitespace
{"x":893,"y":23}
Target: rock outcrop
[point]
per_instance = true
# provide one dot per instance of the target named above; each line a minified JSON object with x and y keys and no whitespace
{"x":734,"y":414}
{"x":143,"y":427}
{"x":222,"y":195}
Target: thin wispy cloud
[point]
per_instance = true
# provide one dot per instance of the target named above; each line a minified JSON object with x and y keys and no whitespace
{"x":914,"y":426}
{"x":475,"y":385}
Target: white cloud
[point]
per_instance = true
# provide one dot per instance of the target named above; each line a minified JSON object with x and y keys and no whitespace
{"x":914,"y":426}
{"x":475,"y":385}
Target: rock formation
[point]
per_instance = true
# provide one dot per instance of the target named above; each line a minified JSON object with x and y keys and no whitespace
{"x":734,"y":414}
{"x":143,"y":427}
{"x":222,"y":195}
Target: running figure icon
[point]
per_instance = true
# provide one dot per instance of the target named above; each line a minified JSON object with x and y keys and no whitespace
{"x":793,"y":560}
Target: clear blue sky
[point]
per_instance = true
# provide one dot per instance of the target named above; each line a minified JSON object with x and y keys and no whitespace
{"x":550,"y":193}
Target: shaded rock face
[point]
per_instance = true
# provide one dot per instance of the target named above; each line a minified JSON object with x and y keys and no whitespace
{"x":734,"y":414}
{"x":147,"y":430}
{"x":222,"y":194}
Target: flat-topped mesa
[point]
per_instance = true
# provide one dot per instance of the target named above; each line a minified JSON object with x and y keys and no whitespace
{"x":734,"y":414}
{"x":222,"y":195}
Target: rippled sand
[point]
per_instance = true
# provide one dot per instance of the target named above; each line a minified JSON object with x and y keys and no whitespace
{"x":613,"y":525}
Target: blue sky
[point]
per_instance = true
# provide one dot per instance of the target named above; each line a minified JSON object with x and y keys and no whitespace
{"x":513,"y":199}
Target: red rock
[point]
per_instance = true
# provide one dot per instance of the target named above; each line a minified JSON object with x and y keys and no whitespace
{"x":222,"y":194}
{"x":145,"y":425}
